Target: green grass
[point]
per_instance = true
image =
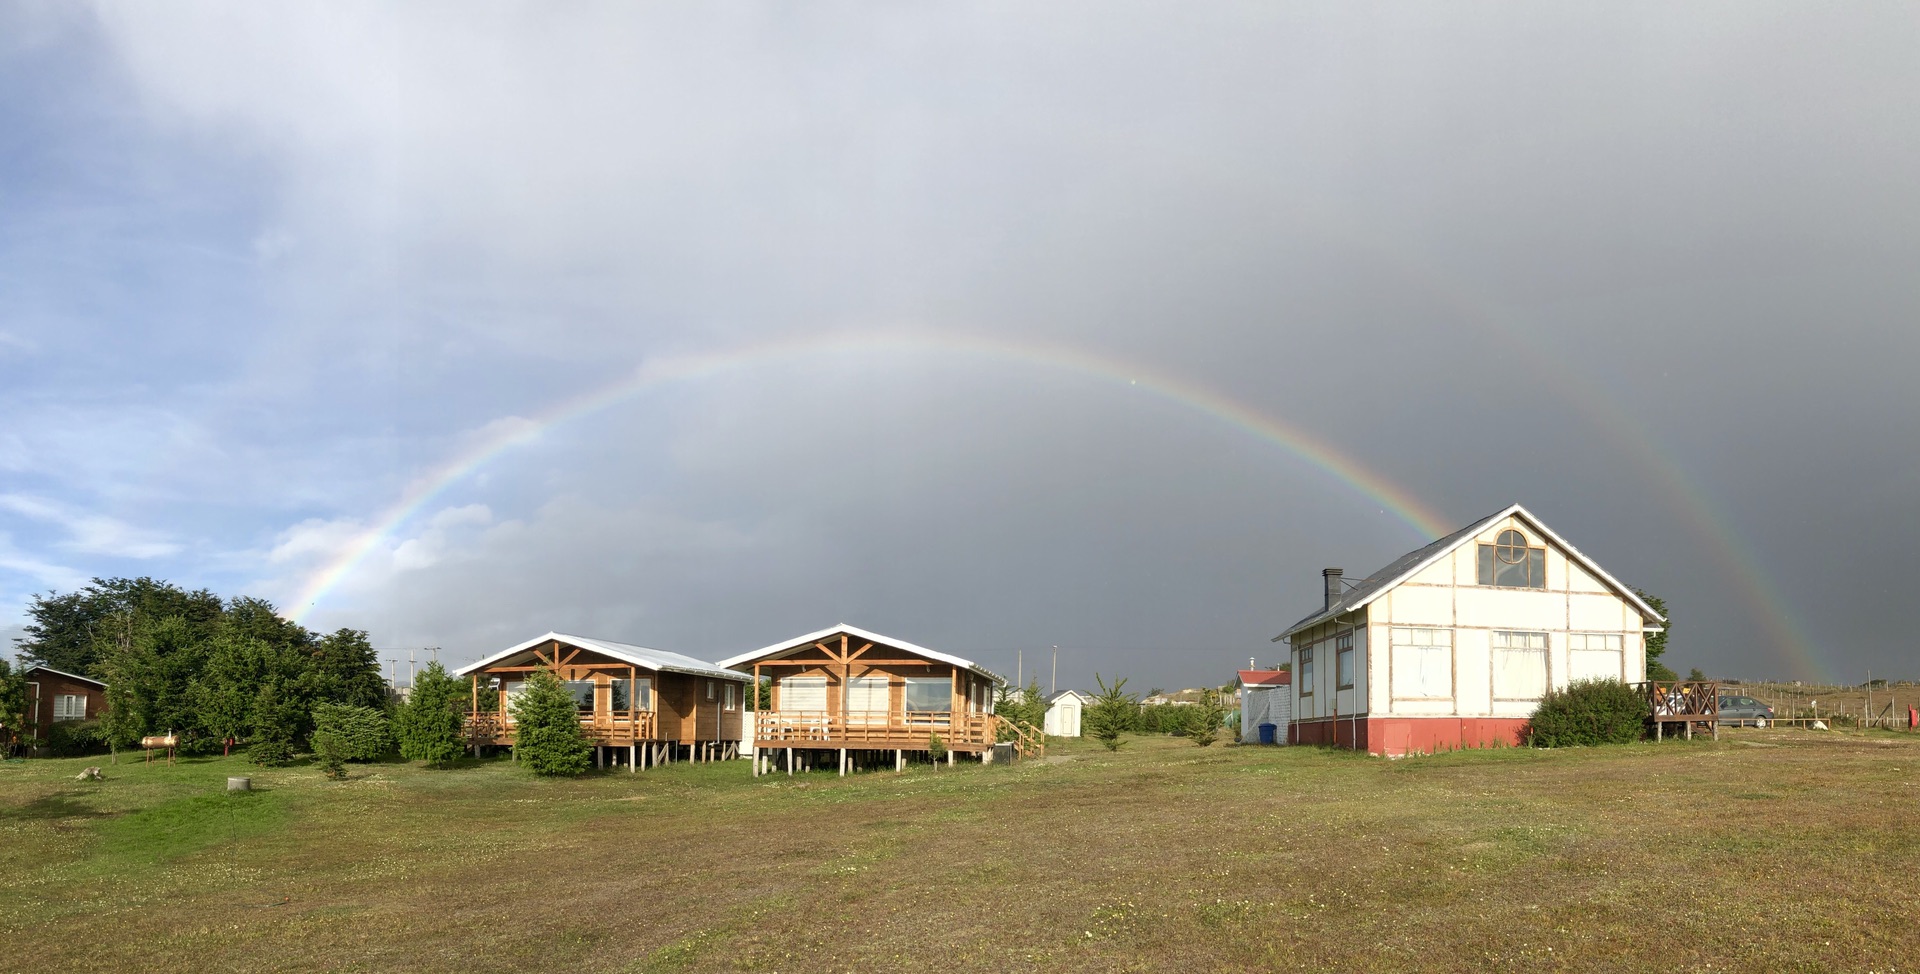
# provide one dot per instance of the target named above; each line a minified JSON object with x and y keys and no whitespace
{"x":1771,"y":850}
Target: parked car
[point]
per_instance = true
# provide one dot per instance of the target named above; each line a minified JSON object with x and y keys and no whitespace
{"x":1743,"y":710}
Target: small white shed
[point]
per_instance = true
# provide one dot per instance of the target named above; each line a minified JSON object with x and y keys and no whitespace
{"x":1063,"y":713}
{"x":1265,"y":698}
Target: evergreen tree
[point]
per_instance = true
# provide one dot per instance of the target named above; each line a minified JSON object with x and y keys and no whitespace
{"x":1657,"y":642}
{"x":343,"y":732}
{"x":429,"y":724}
{"x":1203,"y":719}
{"x":1114,"y":711}
{"x":13,"y":705}
{"x":547,"y":727}
{"x":344,"y":668}
{"x":72,"y":632}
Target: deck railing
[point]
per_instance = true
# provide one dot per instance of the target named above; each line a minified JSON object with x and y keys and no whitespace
{"x":1683,"y":702}
{"x":486,"y":727}
{"x":912,"y":730}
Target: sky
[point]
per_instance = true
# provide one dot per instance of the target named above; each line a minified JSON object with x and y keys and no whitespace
{"x":994,"y":327}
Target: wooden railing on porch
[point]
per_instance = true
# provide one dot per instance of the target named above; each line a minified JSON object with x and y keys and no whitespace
{"x":1683,"y":702}
{"x":489,"y":727}
{"x":911,"y":731}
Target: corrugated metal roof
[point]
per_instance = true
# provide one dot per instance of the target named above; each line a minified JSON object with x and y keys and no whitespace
{"x":1409,"y":564}
{"x":798,"y":643}
{"x":658,"y":660}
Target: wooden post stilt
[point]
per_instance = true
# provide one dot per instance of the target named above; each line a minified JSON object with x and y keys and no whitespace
{"x":789,"y":762}
{"x":633,"y":757}
{"x":843,"y":762}
{"x":899,"y":759}
{"x":756,"y":762}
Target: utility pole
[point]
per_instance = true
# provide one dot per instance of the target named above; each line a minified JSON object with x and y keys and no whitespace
{"x":411,"y":671}
{"x":393,"y":674}
{"x":1020,"y":669}
{"x":1053,"y":686}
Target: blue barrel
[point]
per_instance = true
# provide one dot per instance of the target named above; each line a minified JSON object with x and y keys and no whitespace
{"x":1266,"y":733}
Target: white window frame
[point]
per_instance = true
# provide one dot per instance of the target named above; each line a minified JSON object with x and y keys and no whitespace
{"x":1497,"y":651}
{"x":862,"y":688}
{"x":1596,"y":655}
{"x":63,"y":706}
{"x":1345,"y":676}
{"x":1418,"y":654}
{"x":1306,"y":671}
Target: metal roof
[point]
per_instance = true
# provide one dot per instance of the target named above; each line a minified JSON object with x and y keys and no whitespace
{"x":1266,"y":678}
{"x":1411,"y":563}
{"x":71,"y":676}
{"x":798,"y":643}
{"x":658,"y":660}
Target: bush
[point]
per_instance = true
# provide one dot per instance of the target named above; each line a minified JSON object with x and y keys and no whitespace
{"x":343,"y":733}
{"x":1589,"y":712}
{"x":271,"y":752}
{"x":72,"y":739}
{"x":936,"y":748}
{"x":547,"y":728}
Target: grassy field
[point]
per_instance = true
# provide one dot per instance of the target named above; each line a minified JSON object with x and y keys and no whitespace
{"x":1770,"y":851}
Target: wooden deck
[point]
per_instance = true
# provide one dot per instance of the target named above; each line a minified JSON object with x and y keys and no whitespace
{"x":1683,"y":702}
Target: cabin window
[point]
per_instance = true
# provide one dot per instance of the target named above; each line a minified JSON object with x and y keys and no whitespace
{"x":70,"y":706}
{"x":807,"y":693}
{"x":1422,"y":663}
{"x":1519,"y":665}
{"x":1306,"y":672}
{"x":867,"y":695}
{"x":1511,"y":563}
{"x":732,"y":695}
{"x":1594,"y":656}
{"x":582,"y":691}
{"x":635,"y":694}
{"x":925,"y":694}
{"x":1343,"y":661}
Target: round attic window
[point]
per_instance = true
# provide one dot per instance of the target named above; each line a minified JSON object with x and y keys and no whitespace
{"x":1511,"y":547}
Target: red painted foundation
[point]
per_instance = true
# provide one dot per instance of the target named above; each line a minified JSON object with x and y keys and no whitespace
{"x":1397,"y":736}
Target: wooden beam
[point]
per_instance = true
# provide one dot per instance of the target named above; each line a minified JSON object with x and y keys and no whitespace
{"x":859,"y":652}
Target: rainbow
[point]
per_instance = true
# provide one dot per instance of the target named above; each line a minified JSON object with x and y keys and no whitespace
{"x":504,"y":437}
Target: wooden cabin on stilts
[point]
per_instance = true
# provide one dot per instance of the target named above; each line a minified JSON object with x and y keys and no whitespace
{"x":847,"y":698}
{"x":639,"y":707}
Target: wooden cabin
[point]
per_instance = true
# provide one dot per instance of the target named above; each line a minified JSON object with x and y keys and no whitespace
{"x":847,"y":693}
{"x":647,"y":706}
{"x":53,"y":697}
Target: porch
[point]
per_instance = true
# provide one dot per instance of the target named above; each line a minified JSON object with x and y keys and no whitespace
{"x":1681,"y":704}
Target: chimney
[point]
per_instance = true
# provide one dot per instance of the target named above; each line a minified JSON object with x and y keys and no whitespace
{"x":1334,"y":588}
{"x":1251,"y":664}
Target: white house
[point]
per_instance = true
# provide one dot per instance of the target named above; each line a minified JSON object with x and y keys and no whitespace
{"x":1453,"y":645}
{"x":1063,"y":713}
{"x":1266,"y":697}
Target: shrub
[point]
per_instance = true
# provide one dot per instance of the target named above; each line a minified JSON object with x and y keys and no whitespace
{"x":343,"y":733}
{"x":72,"y":739}
{"x":1589,"y":712}
{"x":429,"y":724}
{"x":271,"y":752}
{"x":936,"y":748}
{"x":547,"y":728}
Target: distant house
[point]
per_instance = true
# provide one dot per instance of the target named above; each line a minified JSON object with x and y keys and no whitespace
{"x":857,"y":696}
{"x":645,"y":705}
{"x":55,"y":696}
{"x":1063,"y":713}
{"x":1454,"y":644}
{"x":1265,"y":698}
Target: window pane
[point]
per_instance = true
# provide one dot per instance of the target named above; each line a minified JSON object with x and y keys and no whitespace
{"x":1486,"y":564}
{"x":1344,"y":667}
{"x":1423,"y":671}
{"x":867,"y":695}
{"x":928,"y":694}
{"x":1594,"y":664}
{"x":808,"y":693}
{"x":1519,"y":674}
{"x":582,"y":691}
